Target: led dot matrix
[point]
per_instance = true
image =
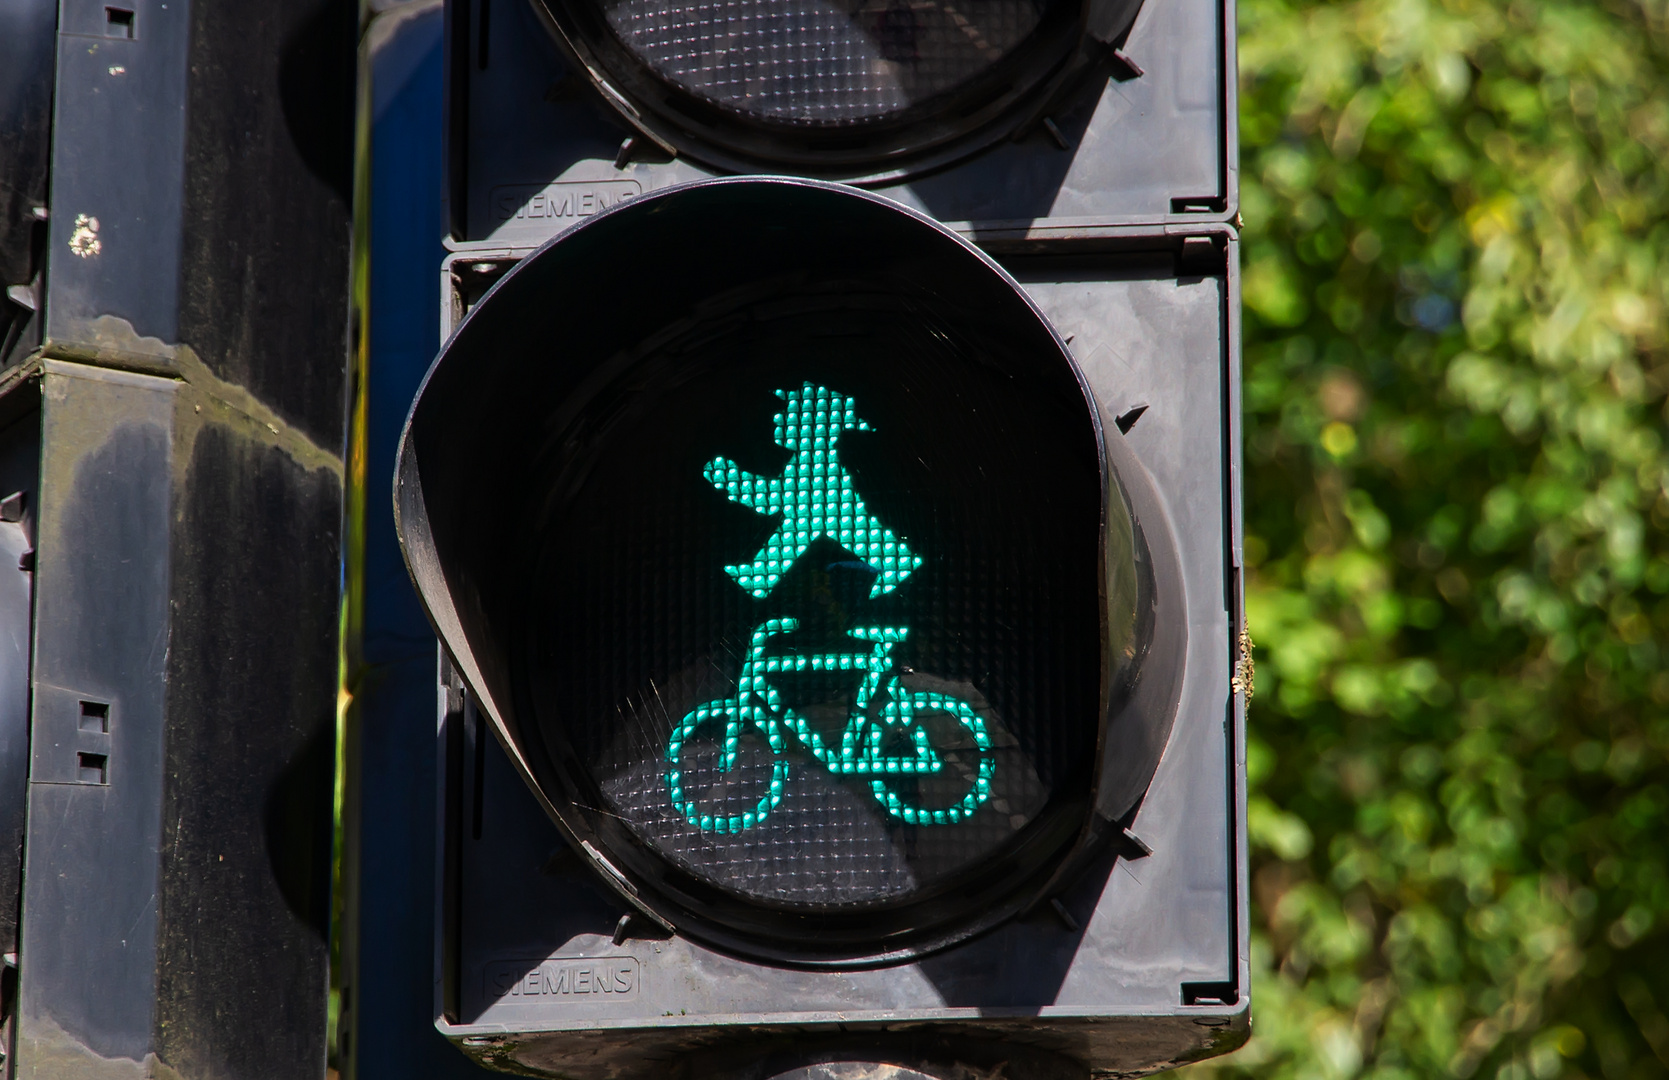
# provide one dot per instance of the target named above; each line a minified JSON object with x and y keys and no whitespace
{"x":816,"y":497}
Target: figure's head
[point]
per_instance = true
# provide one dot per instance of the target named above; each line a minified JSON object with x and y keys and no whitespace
{"x":815,"y":414}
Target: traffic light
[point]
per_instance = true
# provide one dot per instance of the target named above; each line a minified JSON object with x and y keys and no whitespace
{"x":814,"y":594}
{"x":837,"y":573}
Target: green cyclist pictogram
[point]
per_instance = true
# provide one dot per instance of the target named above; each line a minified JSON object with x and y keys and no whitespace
{"x":884,"y":739}
{"x":814,"y":495}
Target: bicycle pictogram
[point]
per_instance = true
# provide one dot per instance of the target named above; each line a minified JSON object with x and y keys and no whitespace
{"x":885,"y":737}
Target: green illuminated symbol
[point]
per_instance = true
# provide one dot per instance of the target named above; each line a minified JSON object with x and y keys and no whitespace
{"x":884,"y":749}
{"x":814,"y":495}
{"x":884,"y":738}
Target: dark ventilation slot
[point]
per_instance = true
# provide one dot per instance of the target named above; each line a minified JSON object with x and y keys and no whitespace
{"x":95,"y":717}
{"x":118,"y":23}
{"x":1199,"y":204}
{"x":1200,"y":256}
{"x":1210,"y":993}
{"x":92,"y":768}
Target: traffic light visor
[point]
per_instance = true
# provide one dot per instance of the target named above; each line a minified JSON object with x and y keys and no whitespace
{"x":774,"y":529}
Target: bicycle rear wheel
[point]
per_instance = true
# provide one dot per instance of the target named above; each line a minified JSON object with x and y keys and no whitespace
{"x":960,"y":741}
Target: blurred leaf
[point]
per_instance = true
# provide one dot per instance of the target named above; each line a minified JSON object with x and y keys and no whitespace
{"x":1456,"y":357}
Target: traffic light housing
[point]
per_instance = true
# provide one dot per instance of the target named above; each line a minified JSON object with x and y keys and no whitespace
{"x":933,"y":722}
{"x":584,"y":557}
{"x":714,"y":794}
{"x":1124,"y":118}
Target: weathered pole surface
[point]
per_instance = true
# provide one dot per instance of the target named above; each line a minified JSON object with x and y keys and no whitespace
{"x":184,"y":367}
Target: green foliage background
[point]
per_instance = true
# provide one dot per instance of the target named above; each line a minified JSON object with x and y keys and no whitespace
{"x":1455,"y":288}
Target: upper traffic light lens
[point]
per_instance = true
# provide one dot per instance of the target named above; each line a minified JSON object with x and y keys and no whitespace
{"x":855,"y":90}
{"x":821,"y":62}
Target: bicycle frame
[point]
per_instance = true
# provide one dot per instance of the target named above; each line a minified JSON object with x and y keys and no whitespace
{"x":761,"y":703}
{"x":860,"y":752}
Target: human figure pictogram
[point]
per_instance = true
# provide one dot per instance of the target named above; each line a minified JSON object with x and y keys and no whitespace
{"x":815,"y":496}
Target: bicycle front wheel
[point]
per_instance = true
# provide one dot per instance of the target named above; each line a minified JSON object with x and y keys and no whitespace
{"x":725,"y":775}
{"x":959,"y":740}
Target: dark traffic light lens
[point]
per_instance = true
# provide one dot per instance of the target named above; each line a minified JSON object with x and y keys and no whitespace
{"x":817,"y":62}
{"x":818,"y":614}
{"x":848,"y":89}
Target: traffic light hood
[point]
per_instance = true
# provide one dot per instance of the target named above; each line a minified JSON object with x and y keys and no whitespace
{"x":797,"y":569}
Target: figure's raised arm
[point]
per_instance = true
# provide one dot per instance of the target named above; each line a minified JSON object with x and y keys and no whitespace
{"x":739,"y":485}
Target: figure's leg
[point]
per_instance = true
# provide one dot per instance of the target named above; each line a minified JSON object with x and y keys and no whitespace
{"x":877,"y":545}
